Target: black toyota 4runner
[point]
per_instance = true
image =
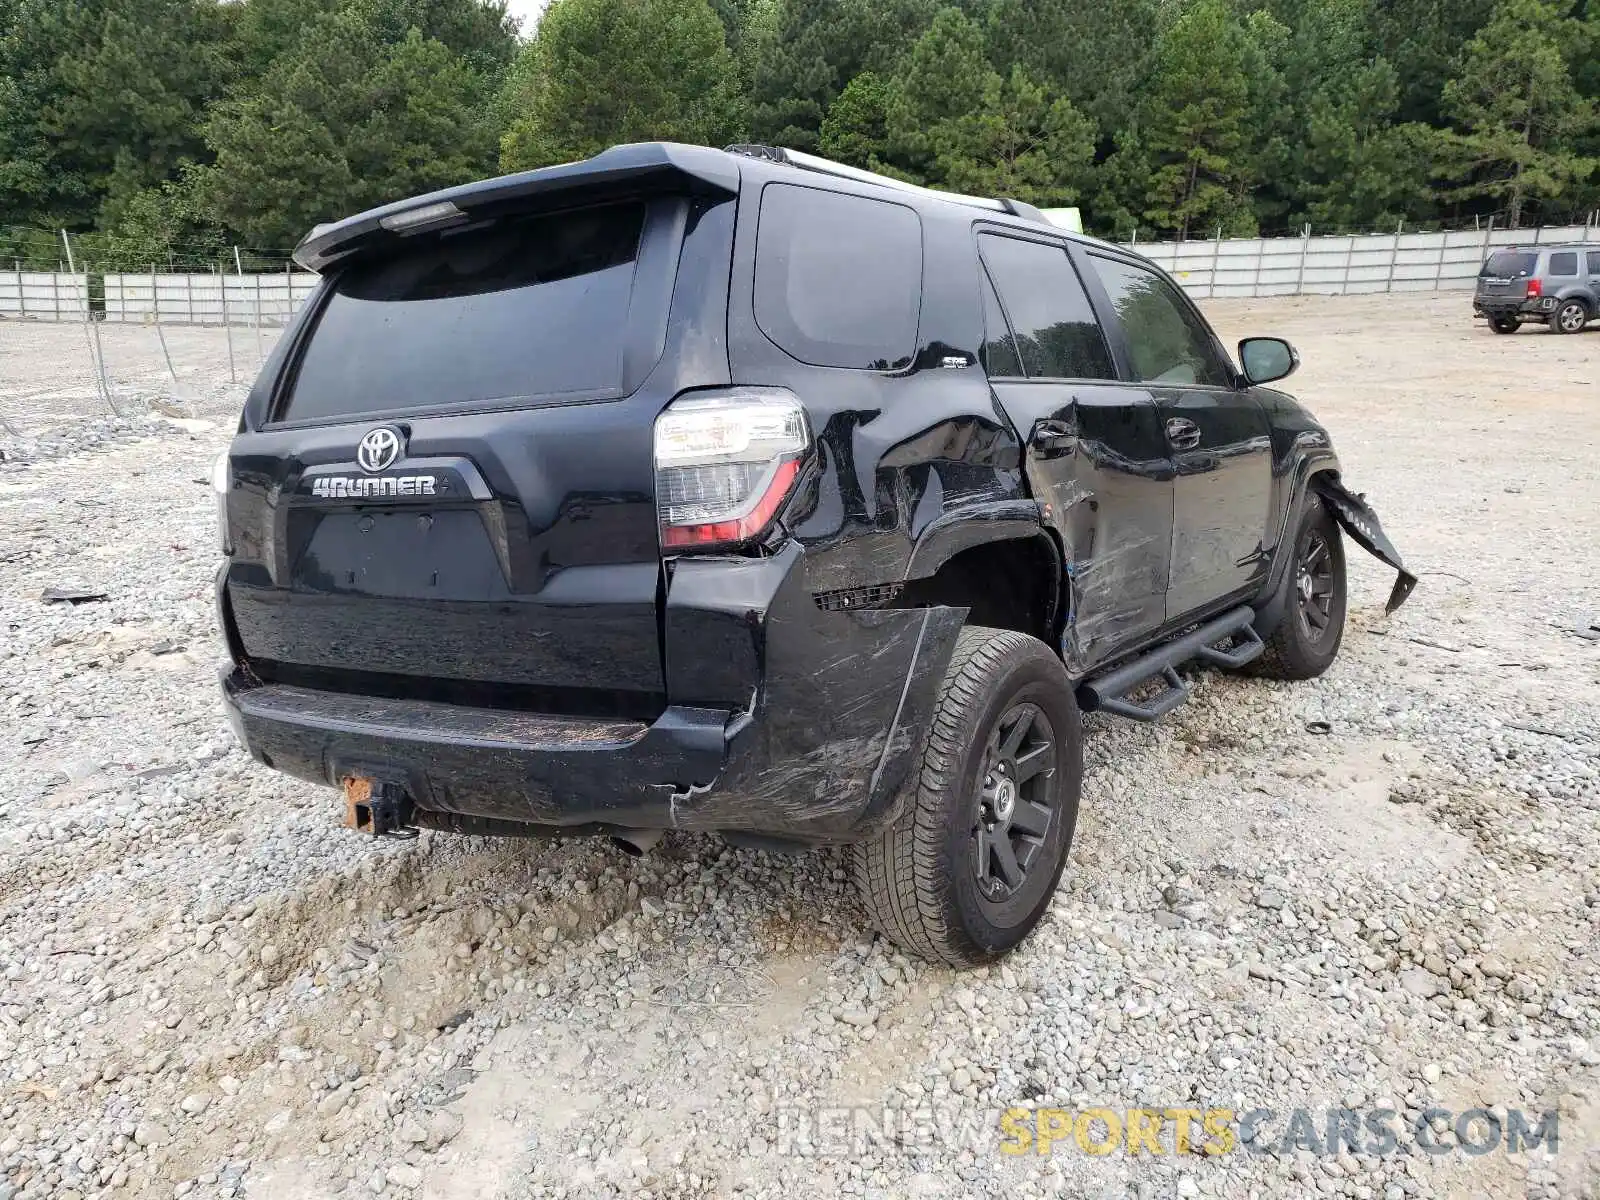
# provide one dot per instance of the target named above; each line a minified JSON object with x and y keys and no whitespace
{"x":739,"y":491}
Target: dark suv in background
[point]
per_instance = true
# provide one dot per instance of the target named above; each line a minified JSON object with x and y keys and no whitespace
{"x":747,"y":493}
{"x":1558,"y":285}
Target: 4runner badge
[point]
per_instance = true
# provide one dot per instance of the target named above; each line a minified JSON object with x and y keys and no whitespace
{"x":378,"y":449}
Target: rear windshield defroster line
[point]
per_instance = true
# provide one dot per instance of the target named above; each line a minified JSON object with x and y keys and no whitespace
{"x":528,"y":307}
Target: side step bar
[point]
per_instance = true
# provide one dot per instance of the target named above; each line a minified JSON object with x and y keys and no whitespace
{"x":1109,"y":691}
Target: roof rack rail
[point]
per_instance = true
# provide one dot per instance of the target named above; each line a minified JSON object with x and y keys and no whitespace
{"x":826,"y":166}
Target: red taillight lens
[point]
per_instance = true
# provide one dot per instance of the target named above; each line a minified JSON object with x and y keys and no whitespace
{"x":725,"y":463}
{"x":1535,"y":289}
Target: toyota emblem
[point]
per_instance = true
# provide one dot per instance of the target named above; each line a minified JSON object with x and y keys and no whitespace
{"x":378,"y":449}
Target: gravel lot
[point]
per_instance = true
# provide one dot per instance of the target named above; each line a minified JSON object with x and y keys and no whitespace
{"x":208,"y":988}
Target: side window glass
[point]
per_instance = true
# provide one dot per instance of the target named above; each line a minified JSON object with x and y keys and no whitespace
{"x":1565,"y":263}
{"x":1054,"y":326}
{"x":838,"y":277}
{"x":1167,"y":341}
{"x":1000,"y":357}
{"x":1594,"y":262}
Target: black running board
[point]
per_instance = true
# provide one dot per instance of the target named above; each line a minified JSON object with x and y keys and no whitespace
{"x":1108,"y":692}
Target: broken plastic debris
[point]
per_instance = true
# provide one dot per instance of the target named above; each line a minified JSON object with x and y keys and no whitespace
{"x":72,"y":595}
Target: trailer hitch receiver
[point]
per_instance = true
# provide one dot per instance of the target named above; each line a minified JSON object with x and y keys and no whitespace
{"x":380,"y":809}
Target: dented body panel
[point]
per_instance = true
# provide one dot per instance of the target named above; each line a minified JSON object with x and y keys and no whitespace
{"x":493,"y":624}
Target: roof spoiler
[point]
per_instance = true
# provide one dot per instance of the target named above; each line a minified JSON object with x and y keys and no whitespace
{"x":619,"y":170}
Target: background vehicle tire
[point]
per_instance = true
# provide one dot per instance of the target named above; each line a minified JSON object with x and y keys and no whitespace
{"x":1570,"y":316}
{"x":1307,"y":639}
{"x":969,"y":868}
{"x":1504,"y":324}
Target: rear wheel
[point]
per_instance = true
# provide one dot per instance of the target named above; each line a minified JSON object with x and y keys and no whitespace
{"x":1307,"y":639}
{"x":1569,"y":317}
{"x":969,"y":868}
{"x":1504,"y":324}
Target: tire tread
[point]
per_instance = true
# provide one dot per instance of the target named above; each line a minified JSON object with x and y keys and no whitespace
{"x":898,"y":874}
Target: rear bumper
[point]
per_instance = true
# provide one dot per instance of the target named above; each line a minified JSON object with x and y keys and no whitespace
{"x":783,"y":720}
{"x":1541,"y":306}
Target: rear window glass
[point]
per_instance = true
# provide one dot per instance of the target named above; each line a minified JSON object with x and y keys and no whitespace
{"x":838,"y":278}
{"x":1594,"y":262}
{"x":1565,"y":263}
{"x":1508,"y":264}
{"x":533,"y":307}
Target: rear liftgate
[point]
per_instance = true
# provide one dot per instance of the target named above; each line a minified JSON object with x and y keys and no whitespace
{"x":1109,"y":692}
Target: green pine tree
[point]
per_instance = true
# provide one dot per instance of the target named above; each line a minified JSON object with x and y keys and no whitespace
{"x":343,"y":121}
{"x":856,"y":129}
{"x":813,"y":48}
{"x":1095,"y":54}
{"x":1021,"y":143}
{"x":609,"y":71}
{"x":1195,"y":125}
{"x":1518,"y":113}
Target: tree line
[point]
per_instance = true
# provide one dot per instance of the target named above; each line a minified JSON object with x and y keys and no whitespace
{"x":162,"y":130}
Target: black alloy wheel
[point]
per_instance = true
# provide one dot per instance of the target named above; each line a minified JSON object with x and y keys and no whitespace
{"x":1314,"y":585}
{"x":1014,"y":807}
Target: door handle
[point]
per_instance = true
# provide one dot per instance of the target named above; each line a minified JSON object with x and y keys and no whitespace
{"x":1053,"y":435}
{"x":1183,"y":433}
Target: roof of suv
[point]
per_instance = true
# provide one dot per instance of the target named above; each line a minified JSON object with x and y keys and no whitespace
{"x":630,"y":166}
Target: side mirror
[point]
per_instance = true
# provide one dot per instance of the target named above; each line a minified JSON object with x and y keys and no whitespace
{"x":1266,"y":359}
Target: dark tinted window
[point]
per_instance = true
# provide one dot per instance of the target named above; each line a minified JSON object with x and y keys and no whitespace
{"x":1000,"y":357}
{"x":838,"y":278}
{"x":1055,"y":330}
{"x":1166,"y":339}
{"x":534,"y":307}
{"x":1594,"y":262}
{"x":1508,"y":264}
{"x":1565,"y":263}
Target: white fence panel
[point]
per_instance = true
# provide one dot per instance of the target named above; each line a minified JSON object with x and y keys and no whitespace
{"x":1344,"y":264}
{"x":267,"y":299}
{"x":44,"y":295}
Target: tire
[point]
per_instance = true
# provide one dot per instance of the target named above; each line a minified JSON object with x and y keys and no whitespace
{"x":1570,"y":316}
{"x":1300,"y":648}
{"x":928,"y":880}
{"x":1504,"y":324}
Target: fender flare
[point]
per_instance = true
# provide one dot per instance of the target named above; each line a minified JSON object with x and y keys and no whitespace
{"x":965,"y":528}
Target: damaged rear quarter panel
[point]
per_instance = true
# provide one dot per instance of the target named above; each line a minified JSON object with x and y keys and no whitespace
{"x":841,"y":700}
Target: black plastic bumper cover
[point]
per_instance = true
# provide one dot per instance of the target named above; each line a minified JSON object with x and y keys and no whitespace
{"x":1361,"y":523}
{"x":786,"y":721}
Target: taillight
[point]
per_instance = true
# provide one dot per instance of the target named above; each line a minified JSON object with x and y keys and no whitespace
{"x":1535,"y":289}
{"x":725,"y":463}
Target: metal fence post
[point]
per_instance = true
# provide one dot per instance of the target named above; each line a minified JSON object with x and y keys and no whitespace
{"x":1394,"y":255}
{"x":22,"y":296}
{"x":1305,"y":248}
{"x":1216,"y":256}
{"x":155,"y":304}
{"x":90,"y":333}
{"x":1349,"y":253}
{"x":227,"y":327}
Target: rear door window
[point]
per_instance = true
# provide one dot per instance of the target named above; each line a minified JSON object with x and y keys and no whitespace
{"x":1056,"y":335}
{"x":1565,"y":263}
{"x":526,"y":308}
{"x":1000,"y":357}
{"x":1167,"y":340}
{"x":838,"y":277}
{"x":1509,"y":264}
{"x":1594,"y":262}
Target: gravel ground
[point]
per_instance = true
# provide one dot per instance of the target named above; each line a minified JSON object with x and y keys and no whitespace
{"x":208,"y":988}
